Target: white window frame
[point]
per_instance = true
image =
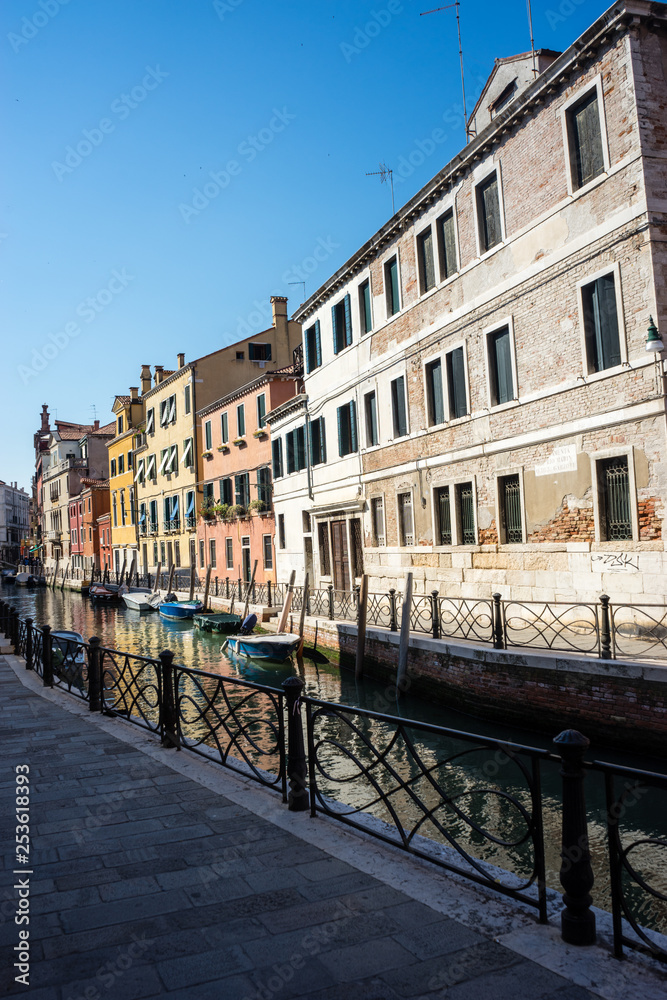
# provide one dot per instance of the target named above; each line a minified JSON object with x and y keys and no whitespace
{"x":376,"y":538}
{"x":260,"y":425}
{"x":362,"y":281}
{"x":600,"y":456}
{"x":507,"y":321}
{"x":400,"y":491}
{"x":614,"y":269}
{"x":450,"y":349}
{"x":443,"y":368}
{"x":264,"y":547}
{"x":448,"y":206}
{"x":396,"y":374}
{"x":436,"y":484}
{"x":208,"y":434}
{"x":436,"y":263}
{"x":240,"y":408}
{"x":390,"y":316}
{"x":481,"y":174}
{"x":229,"y":552}
{"x":366,"y":391}
{"x":224,"y":428}
{"x":584,"y":90}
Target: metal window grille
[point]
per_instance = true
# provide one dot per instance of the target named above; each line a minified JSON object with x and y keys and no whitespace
{"x":444,"y":516}
{"x":616,"y":499}
{"x":407,"y":520}
{"x":377,"y":513}
{"x":466,"y":514}
{"x":511,"y":508}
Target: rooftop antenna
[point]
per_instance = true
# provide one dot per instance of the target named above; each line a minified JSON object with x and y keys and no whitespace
{"x":532,"y":42}
{"x":299,"y":283}
{"x":94,"y":409}
{"x":458,"y":26}
{"x":383,"y":173}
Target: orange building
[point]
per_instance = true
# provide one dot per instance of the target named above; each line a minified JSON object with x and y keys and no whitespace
{"x":235,"y":524}
{"x":95,"y":502}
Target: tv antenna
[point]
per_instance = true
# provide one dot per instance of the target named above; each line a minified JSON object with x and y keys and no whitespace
{"x":94,"y":409}
{"x":383,"y":173}
{"x":532,"y":40}
{"x":436,"y":10}
{"x":299,"y":283}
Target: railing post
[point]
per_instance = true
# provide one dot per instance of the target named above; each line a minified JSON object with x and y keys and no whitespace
{"x":605,"y":628}
{"x":268,"y":594}
{"x":576,"y":874}
{"x":15,"y":630}
{"x":297,"y":773}
{"x":227,"y":587}
{"x":94,"y":674}
{"x":498,"y":631}
{"x":47,"y":657}
{"x":393,"y":619}
{"x":150,"y":583}
{"x":216,"y":586}
{"x":435,"y":614}
{"x":239,"y":590}
{"x":357,"y":601}
{"x":28,"y":643}
{"x":168,"y":714}
{"x":331,"y":602}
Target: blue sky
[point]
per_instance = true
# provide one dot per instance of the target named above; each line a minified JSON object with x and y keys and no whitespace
{"x":171,"y":164}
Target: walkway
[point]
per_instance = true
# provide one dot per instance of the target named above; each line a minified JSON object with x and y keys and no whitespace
{"x":155,"y":873}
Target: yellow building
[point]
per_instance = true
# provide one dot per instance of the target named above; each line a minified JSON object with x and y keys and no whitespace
{"x":168,"y":455}
{"x":128,"y":413}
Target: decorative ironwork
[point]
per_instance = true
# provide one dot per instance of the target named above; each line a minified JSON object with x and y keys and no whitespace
{"x":357,"y":766}
{"x":131,"y":687}
{"x":552,"y":626}
{"x":639,"y":630}
{"x":421,"y":617}
{"x":69,"y":660}
{"x":466,"y":619}
{"x":379,"y":610}
{"x":616,"y":499}
{"x":512,"y":509}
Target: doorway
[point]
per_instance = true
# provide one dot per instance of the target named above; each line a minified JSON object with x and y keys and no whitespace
{"x":341,"y":572}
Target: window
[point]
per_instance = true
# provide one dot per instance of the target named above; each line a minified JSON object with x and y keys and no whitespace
{"x":207,"y":495}
{"x":371,"y":414}
{"x":392,"y":293}
{"x":153,"y":514}
{"x":264,"y":486}
{"x":240,"y":420}
{"x":443,"y":515}
{"x":112,"y":470}
{"x":509,"y":504}
{"x":151,"y":465}
{"x":277,"y":458}
{"x":129,"y":460}
{"x":121,"y":464}
{"x":242,"y":489}
{"x":323,"y":541}
{"x":190,"y":516}
{"x":259,"y":352}
{"x":357,"y":551}
{"x":501,"y":380}
{"x":365,"y":313}
{"x":313,"y":346}
{"x":177,"y":554}
{"x":261,"y":410}
{"x":224,"y":428}
{"x":175,"y":513}
{"x":434,"y":400}
{"x":456,"y":384}
{"x":226,"y":492}
{"x":465,"y":510}
{"x":120,"y":425}
{"x":406,"y":519}
{"x":342,"y":324}
{"x":267,"y":551}
{"x":281,"y":530}
{"x":240,"y":355}
{"x":447,"y":245}
{"x":132,"y":505}
{"x":142,"y":519}
{"x":614,"y":499}
{"x":208,"y":436}
{"x":188,"y":398}
{"x":347,"y":428}
{"x":399,"y":413}
{"x":211,"y":550}
{"x":114,"y":504}
{"x":488,"y":213}
{"x":318,"y":448}
{"x":168,"y":411}
{"x":585,"y":140}
{"x":295,"y":443}
{"x":603,"y":347}
{"x":201,"y":552}
{"x":188,"y":459}
{"x":377,"y":521}
{"x":169,"y":460}
{"x":150,"y":421}
{"x":155,"y":559}
{"x":229,"y":552}
{"x":425,"y":260}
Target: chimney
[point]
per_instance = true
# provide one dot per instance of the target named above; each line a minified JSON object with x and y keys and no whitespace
{"x":145,"y":379}
{"x":45,"y":417}
{"x":96,"y":425}
{"x":279,"y":307}
{"x":158,"y":374}
{"x":181,"y":360}
{"x":134,"y":394}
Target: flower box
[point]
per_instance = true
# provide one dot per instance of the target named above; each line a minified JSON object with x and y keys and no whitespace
{"x":239,"y":442}
{"x":207,"y":454}
{"x":224,"y":448}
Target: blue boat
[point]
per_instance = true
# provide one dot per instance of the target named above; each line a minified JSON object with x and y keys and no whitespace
{"x":180,"y":610}
{"x":263,"y":647}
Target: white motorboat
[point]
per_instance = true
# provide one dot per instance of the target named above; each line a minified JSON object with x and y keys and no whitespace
{"x":141,"y":599}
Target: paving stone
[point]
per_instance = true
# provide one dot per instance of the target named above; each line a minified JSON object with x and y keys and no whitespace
{"x":318,"y":871}
{"x":194,"y":969}
{"x":526,"y":979}
{"x":122,"y":910}
{"x":231,"y":988}
{"x":358,"y":961}
{"x":445,"y":971}
{"x":439,"y":938}
{"x":124,"y":888}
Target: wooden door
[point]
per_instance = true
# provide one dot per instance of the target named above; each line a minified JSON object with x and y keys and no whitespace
{"x":341,"y":572}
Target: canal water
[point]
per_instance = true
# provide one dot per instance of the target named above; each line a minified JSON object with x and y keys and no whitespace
{"x":463,"y":772}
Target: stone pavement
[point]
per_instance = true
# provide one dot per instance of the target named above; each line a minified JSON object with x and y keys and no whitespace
{"x":155,"y":873}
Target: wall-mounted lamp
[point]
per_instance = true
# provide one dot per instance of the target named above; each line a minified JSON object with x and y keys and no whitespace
{"x":653,"y":340}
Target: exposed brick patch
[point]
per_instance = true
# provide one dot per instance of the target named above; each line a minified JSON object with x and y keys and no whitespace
{"x":650,"y":519}
{"x":489,"y":536}
{"x":570,"y":524}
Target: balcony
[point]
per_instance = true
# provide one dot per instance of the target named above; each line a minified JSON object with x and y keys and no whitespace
{"x":54,"y":535}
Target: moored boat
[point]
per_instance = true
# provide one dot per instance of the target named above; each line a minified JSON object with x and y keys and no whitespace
{"x":263,"y":647}
{"x":103,"y":592}
{"x":142,"y":599}
{"x":68,"y":656}
{"x":180,"y":610}
{"x":223,"y":623}
{"x":24,"y":580}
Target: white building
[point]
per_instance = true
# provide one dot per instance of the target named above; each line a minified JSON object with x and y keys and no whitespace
{"x":14,"y":521}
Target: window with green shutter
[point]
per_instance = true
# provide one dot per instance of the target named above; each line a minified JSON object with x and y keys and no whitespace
{"x":313,"y":347}
{"x":392,"y":292}
{"x":456,"y":384}
{"x":277,"y":457}
{"x":603,"y":347}
{"x":371,"y":413}
{"x":347,"y":428}
{"x":500,"y":366}
{"x":264,"y":486}
{"x":318,"y":450}
{"x":488,"y":213}
{"x":585,"y":140}
{"x":226,"y":492}
{"x":365,"y":314}
{"x":342,"y":324}
{"x":447,"y":245}
{"x":426,"y":260}
{"x":434,"y":399}
{"x":398,"y":408}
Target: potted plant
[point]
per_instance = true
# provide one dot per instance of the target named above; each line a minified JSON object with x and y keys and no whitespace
{"x":236,"y":510}
{"x":257,"y":505}
{"x":206,"y":511}
{"x":221,"y":509}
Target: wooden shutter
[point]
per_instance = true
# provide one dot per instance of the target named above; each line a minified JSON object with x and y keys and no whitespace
{"x":586,"y":140}
{"x":398,"y":401}
{"x":348,"y":321}
{"x":341,"y":431}
{"x":277,"y":447}
{"x":489,"y":206}
{"x":436,"y":410}
{"x":334,"y":324}
{"x":447,"y":246}
{"x":501,"y":366}
{"x":456,"y":384}
{"x":289,"y":441}
{"x":339,"y":547}
{"x":353,"y":426}
{"x":318,"y":345}
{"x":426,"y":264}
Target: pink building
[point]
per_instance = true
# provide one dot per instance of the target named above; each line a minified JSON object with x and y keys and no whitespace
{"x":104,"y":535}
{"x":76,"y":533}
{"x":236,"y":525}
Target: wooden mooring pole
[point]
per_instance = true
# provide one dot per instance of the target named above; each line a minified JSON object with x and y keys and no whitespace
{"x":361,"y":627}
{"x":192,"y":583}
{"x":157,"y":578}
{"x":302,"y":616}
{"x":248,"y":592}
{"x":171,"y":578}
{"x":404,"y":641}
{"x":206,"y":588}
{"x":282,"y":624}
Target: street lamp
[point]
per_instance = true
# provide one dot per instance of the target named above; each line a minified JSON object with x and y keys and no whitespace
{"x":653,"y":340}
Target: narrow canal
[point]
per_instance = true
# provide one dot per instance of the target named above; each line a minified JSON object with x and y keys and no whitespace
{"x":646,"y":816}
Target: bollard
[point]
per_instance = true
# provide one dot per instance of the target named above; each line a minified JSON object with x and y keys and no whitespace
{"x":435,"y":614}
{"x":94,"y":675}
{"x":605,"y":628}
{"x":268,"y":594}
{"x":393,"y":620}
{"x":239,"y":590}
{"x":497,"y":623}
{"x":28,"y":643}
{"x":227,"y":587}
{"x":331,"y":602}
{"x":297,"y":773}
{"x":576,"y":874}
{"x":47,"y":661}
{"x":168,"y":712}
{"x":216,"y":586}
